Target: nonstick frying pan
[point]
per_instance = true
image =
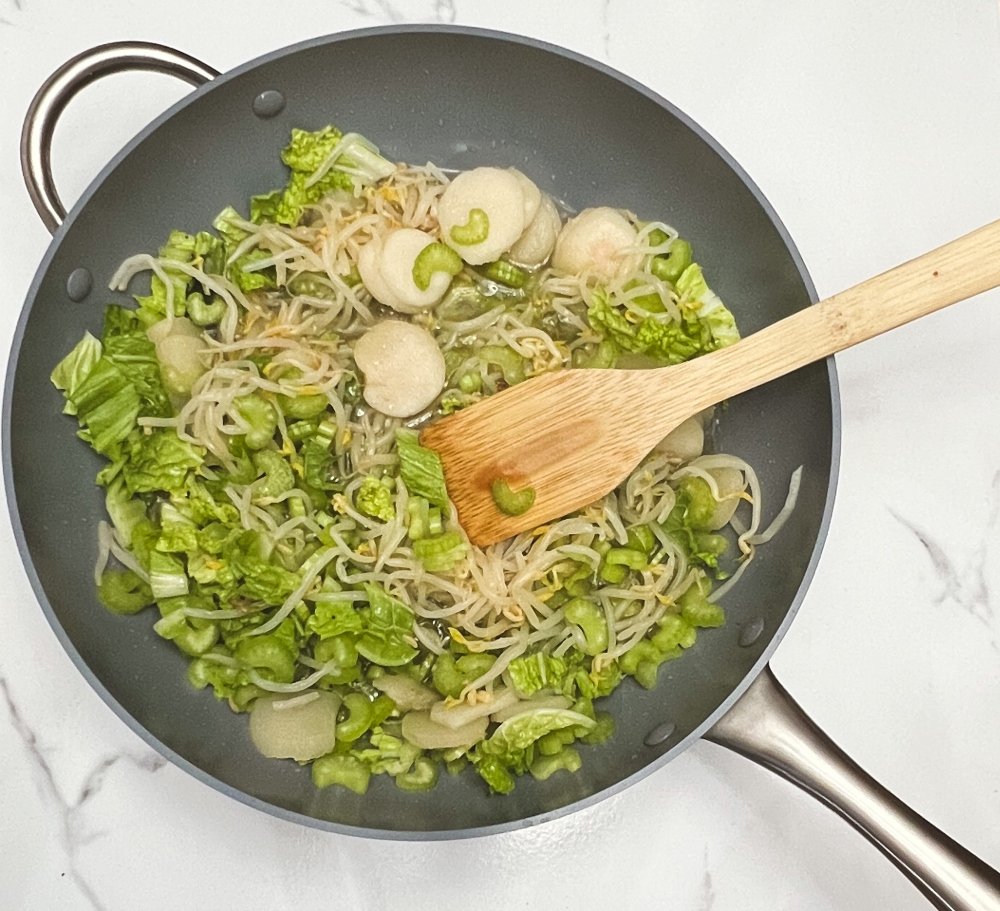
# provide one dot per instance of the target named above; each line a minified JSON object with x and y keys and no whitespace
{"x":590,"y":136}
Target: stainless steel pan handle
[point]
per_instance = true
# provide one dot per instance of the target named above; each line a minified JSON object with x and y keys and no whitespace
{"x":59,"y":89}
{"x":767,"y":726}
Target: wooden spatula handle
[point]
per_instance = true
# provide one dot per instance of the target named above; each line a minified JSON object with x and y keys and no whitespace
{"x":953,"y":272}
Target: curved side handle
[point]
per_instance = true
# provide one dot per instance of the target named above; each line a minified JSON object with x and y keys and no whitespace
{"x":767,"y":726}
{"x":57,"y":91}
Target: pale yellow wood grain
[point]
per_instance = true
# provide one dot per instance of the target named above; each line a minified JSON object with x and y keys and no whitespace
{"x":575,"y":435}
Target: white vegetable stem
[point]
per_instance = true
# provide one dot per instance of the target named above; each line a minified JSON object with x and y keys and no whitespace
{"x":419,"y":730}
{"x":295,"y":728}
{"x":403,"y":368}
{"x":181,"y":351}
{"x":406,"y":692}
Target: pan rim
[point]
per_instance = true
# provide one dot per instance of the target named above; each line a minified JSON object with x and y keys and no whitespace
{"x":301,"y":818}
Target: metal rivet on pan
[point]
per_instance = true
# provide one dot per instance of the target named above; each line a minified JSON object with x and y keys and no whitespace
{"x":78,"y":284}
{"x":751,"y":632}
{"x":659,"y":734}
{"x":269,"y":104}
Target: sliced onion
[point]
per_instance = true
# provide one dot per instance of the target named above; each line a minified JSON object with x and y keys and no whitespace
{"x":421,"y":731}
{"x":406,"y":692}
{"x":455,"y":716}
{"x":295,"y":728}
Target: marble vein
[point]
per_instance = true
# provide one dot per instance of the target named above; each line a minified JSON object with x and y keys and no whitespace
{"x":606,"y":26}
{"x":706,"y":899}
{"x":74,"y":832}
{"x":965,"y":585}
{"x":444,"y":11}
{"x":17,"y":6}
{"x":374,"y":9}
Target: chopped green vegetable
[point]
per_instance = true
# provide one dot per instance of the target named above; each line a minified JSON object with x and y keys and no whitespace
{"x":344,"y":770}
{"x":422,"y":777}
{"x":387,"y":629}
{"x":73,"y":369}
{"x":440,"y":554}
{"x":518,"y":733}
{"x":506,"y":273}
{"x":375,"y":499}
{"x":123,"y":592}
{"x":421,"y":469}
{"x":539,"y":671}
{"x":544,"y":767}
{"x":669,"y":266}
{"x":474,"y":231}
{"x":512,"y":502}
{"x":590,"y":618}
{"x":435,"y":258}
{"x":358,"y":161}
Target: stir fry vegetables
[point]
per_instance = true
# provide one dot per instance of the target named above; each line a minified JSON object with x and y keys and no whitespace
{"x":268,"y":498}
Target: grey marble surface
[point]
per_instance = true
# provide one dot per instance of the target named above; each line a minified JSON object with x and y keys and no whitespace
{"x":874,"y":129}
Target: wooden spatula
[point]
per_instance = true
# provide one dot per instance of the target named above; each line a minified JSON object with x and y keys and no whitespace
{"x":574,"y":435}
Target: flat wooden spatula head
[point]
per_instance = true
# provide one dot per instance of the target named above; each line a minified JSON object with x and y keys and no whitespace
{"x":570,"y":437}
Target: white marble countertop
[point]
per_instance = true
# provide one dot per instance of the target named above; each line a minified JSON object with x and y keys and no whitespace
{"x":874,"y":129}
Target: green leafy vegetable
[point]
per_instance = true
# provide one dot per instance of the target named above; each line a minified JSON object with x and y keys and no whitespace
{"x":334,"y":618}
{"x":167,"y":577}
{"x":159,"y":460}
{"x":387,"y":629}
{"x":421,"y":469}
{"x":518,"y":733}
{"x":305,"y":153}
{"x":375,"y":499}
{"x":531,"y":673}
{"x":123,"y":592}
{"x":705,"y":324}
{"x":70,"y":373}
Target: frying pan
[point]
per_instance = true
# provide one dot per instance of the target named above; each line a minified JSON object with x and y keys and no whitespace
{"x":587,"y":135}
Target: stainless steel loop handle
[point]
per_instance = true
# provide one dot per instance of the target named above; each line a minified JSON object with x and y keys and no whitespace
{"x":59,"y":89}
{"x":767,"y":726}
